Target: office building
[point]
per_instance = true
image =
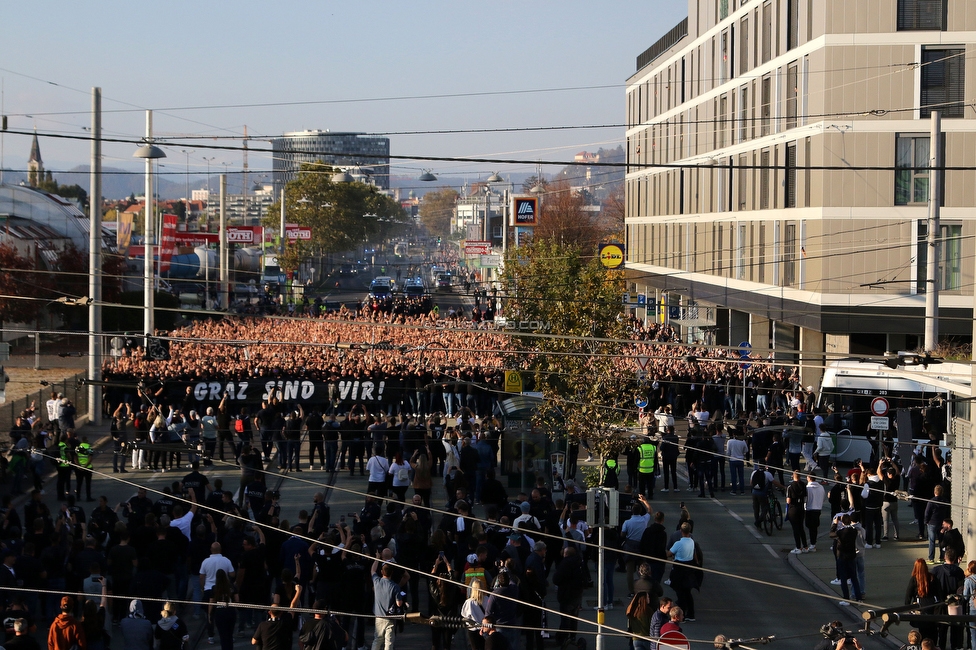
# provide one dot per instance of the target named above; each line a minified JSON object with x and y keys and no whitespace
{"x":366,"y":157}
{"x":777,"y":189}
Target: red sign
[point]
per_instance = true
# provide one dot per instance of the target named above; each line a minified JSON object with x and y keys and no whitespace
{"x":472,"y":247}
{"x":167,"y":241}
{"x":674,"y":639}
{"x":879,"y":406}
{"x":240,"y":235}
{"x":298,"y":233}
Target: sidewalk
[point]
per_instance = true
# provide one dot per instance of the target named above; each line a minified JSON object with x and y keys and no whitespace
{"x":887,"y":571}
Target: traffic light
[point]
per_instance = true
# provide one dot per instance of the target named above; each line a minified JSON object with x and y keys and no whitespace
{"x":438,"y":241}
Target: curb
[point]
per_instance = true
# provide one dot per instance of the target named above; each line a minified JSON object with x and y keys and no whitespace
{"x":851,"y":613}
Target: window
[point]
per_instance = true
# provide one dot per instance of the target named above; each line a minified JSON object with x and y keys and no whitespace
{"x":943,"y":81}
{"x":766,"y":105}
{"x":950,"y":257}
{"x":762,"y":252}
{"x":723,"y":109}
{"x":743,"y":181}
{"x":807,"y":157}
{"x":764,"y":180}
{"x":740,"y":261}
{"x":723,"y":9}
{"x":744,"y":46}
{"x":789,"y":255}
{"x":724,"y":62}
{"x":912,"y":156}
{"x":922,"y":15}
{"x":793,"y":24}
{"x":767,"y":31}
{"x":792,"y":80}
{"x":743,"y":114}
{"x":790,"y":189}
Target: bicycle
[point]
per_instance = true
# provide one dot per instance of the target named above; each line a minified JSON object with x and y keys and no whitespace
{"x":773,"y":515}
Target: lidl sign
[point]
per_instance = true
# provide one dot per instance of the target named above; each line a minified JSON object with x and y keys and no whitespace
{"x":612,"y":255}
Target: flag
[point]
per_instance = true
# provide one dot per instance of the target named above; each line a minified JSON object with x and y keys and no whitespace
{"x":123,"y":234}
{"x":167,"y":242}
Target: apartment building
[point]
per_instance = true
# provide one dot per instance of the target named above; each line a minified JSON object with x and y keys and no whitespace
{"x":366,"y":157}
{"x":776,"y":182}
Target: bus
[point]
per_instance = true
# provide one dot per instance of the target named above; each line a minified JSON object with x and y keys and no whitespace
{"x":401,"y":249}
{"x":914,"y":395}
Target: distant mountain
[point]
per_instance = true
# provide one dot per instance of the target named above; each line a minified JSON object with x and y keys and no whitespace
{"x":120,"y":183}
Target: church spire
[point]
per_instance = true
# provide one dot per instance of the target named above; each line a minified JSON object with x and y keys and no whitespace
{"x":35,"y":166}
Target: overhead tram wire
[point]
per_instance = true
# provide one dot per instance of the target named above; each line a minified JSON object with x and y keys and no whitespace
{"x":494,"y":161}
{"x":454,"y":582}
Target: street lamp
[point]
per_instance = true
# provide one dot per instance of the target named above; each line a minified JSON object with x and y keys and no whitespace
{"x":149,"y":152}
{"x":208,"y":161}
{"x":342,"y":176}
{"x":427,"y":176}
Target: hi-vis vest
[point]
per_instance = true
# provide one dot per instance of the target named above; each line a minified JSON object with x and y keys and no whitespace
{"x":648,"y":454}
{"x":84,"y":452}
{"x":64,"y":455}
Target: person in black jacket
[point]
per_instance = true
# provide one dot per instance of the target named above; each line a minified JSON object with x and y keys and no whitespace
{"x":568,"y":579}
{"x":654,"y":544}
{"x":936,"y":511}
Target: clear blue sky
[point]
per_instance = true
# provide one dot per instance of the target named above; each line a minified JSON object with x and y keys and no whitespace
{"x":180,"y":54}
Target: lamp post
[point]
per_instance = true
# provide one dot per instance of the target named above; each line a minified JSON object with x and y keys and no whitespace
{"x":186,"y":198}
{"x":208,"y":161}
{"x":149,"y":152}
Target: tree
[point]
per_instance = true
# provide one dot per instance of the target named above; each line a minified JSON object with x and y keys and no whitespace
{"x":20,"y":287}
{"x":577,"y":367}
{"x":75,"y":191}
{"x":437,"y":211}
{"x":341,"y":215}
{"x":564,"y":219}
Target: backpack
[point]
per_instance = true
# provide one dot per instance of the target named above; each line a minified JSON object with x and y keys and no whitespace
{"x":403,"y":474}
{"x":758,"y":481}
{"x":320,"y":636}
{"x":239,"y":424}
{"x":394,"y":609}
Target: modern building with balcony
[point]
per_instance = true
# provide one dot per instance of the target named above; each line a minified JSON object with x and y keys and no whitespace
{"x":367,"y":157}
{"x":777,"y":186}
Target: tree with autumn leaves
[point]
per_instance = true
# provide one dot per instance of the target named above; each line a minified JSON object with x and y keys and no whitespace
{"x":575,"y":361}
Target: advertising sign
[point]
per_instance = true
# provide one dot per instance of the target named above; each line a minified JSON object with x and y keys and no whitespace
{"x":123,"y":236}
{"x":298,"y":233}
{"x":525,"y":211}
{"x":477,"y":247}
{"x":611,"y":255}
{"x":167,"y":242}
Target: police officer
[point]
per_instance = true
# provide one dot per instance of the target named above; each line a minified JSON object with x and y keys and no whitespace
{"x":611,"y":472}
{"x":646,"y":466}
{"x":66,"y":455}
{"x":83,"y":473}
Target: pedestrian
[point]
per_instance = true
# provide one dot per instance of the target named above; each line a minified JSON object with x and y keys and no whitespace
{"x":737,"y":449}
{"x":137,"y":631}
{"x":385,"y":592}
{"x":377,"y":466}
{"x":473,"y":613}
{"x":273,"y":633}
{"x":22,"y":639}
{"x":639,"y":613}
{"x":170,"y":630}
{"x":813,"y":507}
{"x":796,"y":496}
{"x":568,"y":579}
{"x":646,"y":467}
{"x":686,"y":572}
{"x":670,"y":450}
{"x":936,"y":511}
{"x":66,"y":632}
{"x":923,"y":591}
{"x":221,"y":613}
{"x":502,"y":608}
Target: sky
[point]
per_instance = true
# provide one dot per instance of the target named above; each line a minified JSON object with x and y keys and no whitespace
{"x":380,"y":67}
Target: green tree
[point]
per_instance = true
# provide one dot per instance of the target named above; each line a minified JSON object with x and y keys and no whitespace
{"x":576,"y":362}
{"x":341,"y":215}
{"x":437,"y":211}
{"x":75,"y":191}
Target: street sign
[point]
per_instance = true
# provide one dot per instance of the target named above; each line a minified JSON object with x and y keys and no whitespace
{"x":879,"y":423}
{"x":475,"y":247}
{"x":641,"y":300}
{"x":642,"y":362}
{"x":879,"y":407}
{"x":626,"y":297}
{"x":641,"y":402}
{"x":491,"y":261}
{"x":513,"y":382}
{"x":745,"y":349}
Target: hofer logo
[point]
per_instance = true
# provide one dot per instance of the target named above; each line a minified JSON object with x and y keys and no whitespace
{"x":526,"y":210}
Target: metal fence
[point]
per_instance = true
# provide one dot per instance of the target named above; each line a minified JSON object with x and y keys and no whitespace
{"x":68,"y":387}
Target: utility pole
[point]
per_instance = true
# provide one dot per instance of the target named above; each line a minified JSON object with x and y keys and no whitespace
{"x":224,"y":253}
{"x":932,"y":239}
{"x":94,"y":264}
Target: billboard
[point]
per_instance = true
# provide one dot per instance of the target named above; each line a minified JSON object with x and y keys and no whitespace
{"x":167,"y":241}
{"x":525,"y":211}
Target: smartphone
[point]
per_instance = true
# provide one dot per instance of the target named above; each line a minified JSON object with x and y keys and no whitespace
{"x":342,"y":518}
